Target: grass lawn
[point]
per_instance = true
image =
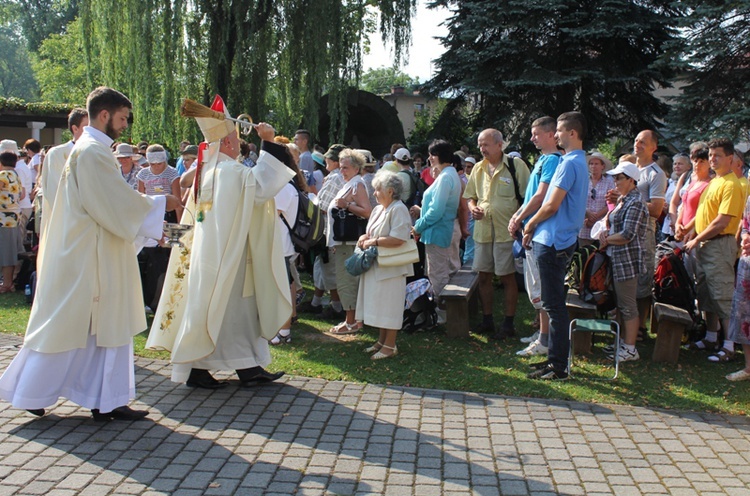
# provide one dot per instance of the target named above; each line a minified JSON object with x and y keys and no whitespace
{"x":430,"y":360}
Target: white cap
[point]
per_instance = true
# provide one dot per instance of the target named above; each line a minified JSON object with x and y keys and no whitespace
{"x":471,"y":160}
{"x":8,"y":145}
{"x":402,"y":154}
{"x":628,"y":168}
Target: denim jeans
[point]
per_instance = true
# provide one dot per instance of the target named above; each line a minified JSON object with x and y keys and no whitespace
{"x":553,"y":265}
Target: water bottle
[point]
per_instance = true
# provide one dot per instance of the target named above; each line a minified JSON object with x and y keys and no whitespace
{"x":27,"y":291}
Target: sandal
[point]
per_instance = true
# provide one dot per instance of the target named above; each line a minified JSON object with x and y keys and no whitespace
{"x":280,"y":339}
{"x":343,"y":328}
{"x":642,"y":331}
{"x":7,"y":289}
{"x":380,"y":355}
{"x":723,"y":355}
{"x":703,"y":345}
{"x":374,"y":348}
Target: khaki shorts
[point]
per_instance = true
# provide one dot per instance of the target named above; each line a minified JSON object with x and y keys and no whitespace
{"x":646,"y":279}
{"x":494,"y":258}
{"x":714,"y":275}
{"x":626,"y":301}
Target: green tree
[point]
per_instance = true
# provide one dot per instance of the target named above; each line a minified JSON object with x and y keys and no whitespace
{"x":16,"y":76}
{"x":60,"y":67}
{"x":41,"y":18}
{"x":260,"y":55}
{"x":517,"y":60}
{"x":381,"y":80}
{"x":714,"y":100}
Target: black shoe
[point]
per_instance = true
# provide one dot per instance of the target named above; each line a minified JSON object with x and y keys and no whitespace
{"x":257,"y":376}
{"x":329,"y":313}
{"x":483,"y":328}
{"x":538,"y":365}
{"x":549,"y":373}
{"x":200,"y":378}
{"x":503,"y":333}
{"x":308,"y":307}
{"x":39,"y":412}
{"x":119,"y":413}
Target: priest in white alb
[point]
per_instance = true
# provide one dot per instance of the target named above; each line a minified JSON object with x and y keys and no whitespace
{"x":226,"y":292}
{"x":88,"y":304}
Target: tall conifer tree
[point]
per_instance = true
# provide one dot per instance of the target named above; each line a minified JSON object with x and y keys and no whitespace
{"x":520,"y":59}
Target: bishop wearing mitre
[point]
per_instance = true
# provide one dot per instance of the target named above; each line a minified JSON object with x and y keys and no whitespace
{"x":227,"y":291}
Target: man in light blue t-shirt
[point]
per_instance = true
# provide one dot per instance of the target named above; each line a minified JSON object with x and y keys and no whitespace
{"x":543,"y":136}
{"x":552,"y":233}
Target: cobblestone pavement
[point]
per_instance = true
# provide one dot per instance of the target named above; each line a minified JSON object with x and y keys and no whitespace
{"x":310,"y":436}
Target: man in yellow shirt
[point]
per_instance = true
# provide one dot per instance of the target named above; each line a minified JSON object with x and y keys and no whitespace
{"x":494,"y":195}
{"x":716,"y":222}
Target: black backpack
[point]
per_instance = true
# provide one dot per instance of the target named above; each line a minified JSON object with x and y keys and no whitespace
{"x":577,"y":262}
{"x":309,"y":226}
{"x":415,"y":198}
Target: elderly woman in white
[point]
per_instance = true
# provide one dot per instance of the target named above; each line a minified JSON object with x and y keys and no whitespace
{"x":382,"y":290}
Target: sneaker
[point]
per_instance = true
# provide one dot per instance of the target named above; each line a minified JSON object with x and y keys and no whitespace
{"x":301,"y":296}
{"x":531,"y":339}
{"x":740,"y":375}
{"x":535,"y":348}
{"x":548,"y":373}
{"x":625,"y":355}
{"x":610,"y":348}
{"x":503,"y":333}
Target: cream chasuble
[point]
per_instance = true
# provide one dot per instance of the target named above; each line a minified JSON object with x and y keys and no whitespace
{"x":54,"y":162}
{"x":201,"y":276}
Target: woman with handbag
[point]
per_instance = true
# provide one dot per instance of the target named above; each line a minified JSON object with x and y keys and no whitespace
{"x":437,"y":217}
{"x":382,"y":289}
{"x":347,"y":220}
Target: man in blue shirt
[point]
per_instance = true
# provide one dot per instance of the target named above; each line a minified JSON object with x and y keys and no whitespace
{"x":552,"y":233}
{"x":543,"y":136}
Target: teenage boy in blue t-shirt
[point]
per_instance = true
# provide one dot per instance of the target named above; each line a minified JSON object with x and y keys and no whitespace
{"x":552,"y":234}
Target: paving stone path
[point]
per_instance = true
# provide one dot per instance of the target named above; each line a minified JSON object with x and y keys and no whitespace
{"x":310,"y":436}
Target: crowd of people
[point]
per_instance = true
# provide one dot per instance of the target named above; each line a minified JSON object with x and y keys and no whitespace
{"x":233,"y":288}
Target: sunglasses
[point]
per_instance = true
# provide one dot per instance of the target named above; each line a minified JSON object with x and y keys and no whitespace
{"x":593,"y":194}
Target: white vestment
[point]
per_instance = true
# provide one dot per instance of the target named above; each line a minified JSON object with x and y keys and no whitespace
{"x":88,"y":304}
{"x":226,"y":292}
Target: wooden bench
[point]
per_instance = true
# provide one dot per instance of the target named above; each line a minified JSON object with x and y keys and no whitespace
{"x":668,"y":323}
{"x":579,"y":309}
{"x":459,"y":296}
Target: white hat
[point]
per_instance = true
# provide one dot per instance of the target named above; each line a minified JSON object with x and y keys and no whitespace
{"x":369,"y":160}
{"x":514,"y":154}
{"x":402,"y":154}
{"x":628,"y":168}
{"x":215,"y":129}
{"x":124,"y":150}
{"x":471,"y":160}
{"x":8,"y":145}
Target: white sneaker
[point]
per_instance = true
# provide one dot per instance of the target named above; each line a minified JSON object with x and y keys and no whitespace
{"x":535,"y":348}
{"x":625,"y":355}
{"x":442,"y":316}
{"x":531,"y":339}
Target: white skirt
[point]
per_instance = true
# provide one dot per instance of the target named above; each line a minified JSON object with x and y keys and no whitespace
{"x":380,"y":303}
{"x":92,"y":377}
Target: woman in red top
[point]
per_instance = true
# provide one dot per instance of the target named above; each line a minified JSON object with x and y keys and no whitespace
{"x":684,"y":228}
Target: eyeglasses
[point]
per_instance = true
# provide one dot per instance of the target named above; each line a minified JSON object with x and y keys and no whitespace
{"x":620,"y":177}
{"x":593,"y":193}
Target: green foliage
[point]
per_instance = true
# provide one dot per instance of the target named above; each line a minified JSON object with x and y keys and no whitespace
{"x":60,"y":67}
{"x":522,"y":59}
{"x":717,"y":74}
{"x":449,"y":119}
{"x":272,"y":60}
{"x":380,"y":80}
{"x":16,"y":104}
{"x":41,"y":18}
{"x":16,"y":77}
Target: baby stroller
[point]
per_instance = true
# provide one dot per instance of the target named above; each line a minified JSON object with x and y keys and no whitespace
{"x":419,"y":308}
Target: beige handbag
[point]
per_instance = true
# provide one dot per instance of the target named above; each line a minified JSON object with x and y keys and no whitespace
{"x":405,"y":254}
